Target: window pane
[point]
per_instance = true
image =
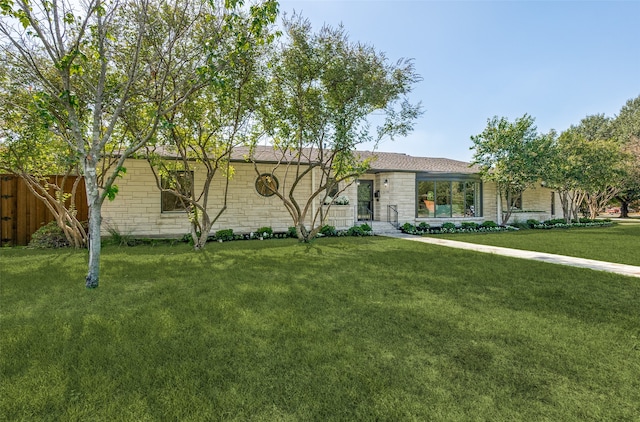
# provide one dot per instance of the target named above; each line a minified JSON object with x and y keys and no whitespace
{"x":471,"y":199}
{"x":179,"y":181}
{"x":458,"y":199}
{"x":443,"y":199}
{"x":426,"y":199}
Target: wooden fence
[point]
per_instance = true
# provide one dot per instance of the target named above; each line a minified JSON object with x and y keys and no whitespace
{"x":21,"y":213}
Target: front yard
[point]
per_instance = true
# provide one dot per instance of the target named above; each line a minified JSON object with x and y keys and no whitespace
{"x":343,"y":329}
{"x":619,"y":243}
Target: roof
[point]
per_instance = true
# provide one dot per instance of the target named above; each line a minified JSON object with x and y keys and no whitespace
{"x":391,"y":161}
{"x":381,"y":162}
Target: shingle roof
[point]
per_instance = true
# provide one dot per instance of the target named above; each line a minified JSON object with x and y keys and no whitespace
{"x":382,"y":161}
{"x":391,"y":161}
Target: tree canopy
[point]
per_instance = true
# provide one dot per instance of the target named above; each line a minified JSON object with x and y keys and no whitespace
{"x":511,"y":154}
{"x":323,"y":92}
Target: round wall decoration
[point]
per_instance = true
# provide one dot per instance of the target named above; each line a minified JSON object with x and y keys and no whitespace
{"x":266,"y":184}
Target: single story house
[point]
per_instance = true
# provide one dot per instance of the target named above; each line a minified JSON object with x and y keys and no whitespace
{"x":398,"y":188}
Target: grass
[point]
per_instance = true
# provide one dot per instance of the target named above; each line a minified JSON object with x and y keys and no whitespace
{"x":344,"y":329}
{"x":618,"y":243}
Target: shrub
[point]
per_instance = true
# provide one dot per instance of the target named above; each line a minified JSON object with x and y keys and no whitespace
{"x":265,"y":232}
{"x":532,"y":223}
{"x":328,"y":230}
{"x":520,"y":225}
{"x":423,"y":226}
{"x":225,"y":235}
{"x":362,"y":230}
{"x":120,"y":239}
{"x":555,"y":221}
{"x":49,"y":236}
{"x":187,"y":238}
{"x":489,"y":224}
{"x":469,"y":225}
{"x":292,"y":232}
{"x":448,"y":226}
{"x":408,"y":228}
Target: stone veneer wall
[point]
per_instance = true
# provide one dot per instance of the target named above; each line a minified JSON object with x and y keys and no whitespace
{"x":136,"y":209}
{"x":536,"y":203}
{"x":400,"y":191}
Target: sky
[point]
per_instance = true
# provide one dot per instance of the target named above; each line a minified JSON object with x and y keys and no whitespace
{"x":558,"y":61}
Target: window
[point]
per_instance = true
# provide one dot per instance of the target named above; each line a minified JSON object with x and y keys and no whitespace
{"x":177,"y":181}
{"x":266,"y":184}
{"x":514,"y":201}
{"x":332,"y":187}
{"x":442,"y":198}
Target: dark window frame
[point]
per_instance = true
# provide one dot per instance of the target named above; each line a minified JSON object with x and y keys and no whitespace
{"x":169,"y":202}
{"x":470,"y":211}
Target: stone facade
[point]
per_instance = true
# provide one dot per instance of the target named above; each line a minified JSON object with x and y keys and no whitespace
{"x":137,"y":207}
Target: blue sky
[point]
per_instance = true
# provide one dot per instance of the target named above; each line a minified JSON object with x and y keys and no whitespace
{"x":558,"y":61}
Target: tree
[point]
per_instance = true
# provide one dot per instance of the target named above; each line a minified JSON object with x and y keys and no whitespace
{"x":627,"y":131}
{"x":603,"y":161}
{"x":32,"y":152}
{"x":324,"y":90}
{"x":513,"y":155}
{"x":90,"y":62}
{"x":584,"y":171}
{"x":205,"y":129}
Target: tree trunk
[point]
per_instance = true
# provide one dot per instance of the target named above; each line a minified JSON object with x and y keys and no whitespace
{"x":624,"y":209}
{"x":95,"y":221}
{"x":199,"y":240}
{"x":303,"y":233}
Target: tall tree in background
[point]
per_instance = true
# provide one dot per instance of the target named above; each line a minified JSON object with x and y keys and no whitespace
{"x":627,"y":130}
{"x":205,"y":129}
{"x":90,"y":62}
{"x":604,"y":162}
{"x":513,"y":155}
{"x":584,"y":171}
{"x":323,"y":92}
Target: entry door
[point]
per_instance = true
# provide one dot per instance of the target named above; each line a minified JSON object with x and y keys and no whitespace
{"x":365,"y":200}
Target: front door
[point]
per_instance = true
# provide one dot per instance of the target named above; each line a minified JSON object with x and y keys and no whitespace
{"x":365,"y":200}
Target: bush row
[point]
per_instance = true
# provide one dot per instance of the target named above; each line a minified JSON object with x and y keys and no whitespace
{"x":491,"y":226}
{"x":561,"y":223}
{"x":464,"y":227}
{"x":268,"y":233}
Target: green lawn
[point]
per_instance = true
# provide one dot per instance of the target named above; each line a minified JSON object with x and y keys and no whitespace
{"x":345,"y":329}
{"x":618,"y":243}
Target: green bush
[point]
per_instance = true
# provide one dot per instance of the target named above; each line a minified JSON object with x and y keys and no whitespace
{"x":532,"y":223}
{"x":408,"y":228}
{"x":469,"y":225}
{"x":117,"y":238}
{"x":489,"y":224}
{"x":328,"y":230}
{"x":555,"y":221}
{"x":49,"y":236}
{"x":292,"y":232}
{"x":362,"y":230}
{"x":423,"y":226}
{"x":225,"y":235}
{"x":448,"y":226}
{"x":265,"y":232}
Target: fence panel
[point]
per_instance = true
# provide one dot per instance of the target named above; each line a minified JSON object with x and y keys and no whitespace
{"x":22,"y":213}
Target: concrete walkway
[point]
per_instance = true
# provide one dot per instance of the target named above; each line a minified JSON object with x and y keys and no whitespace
{"x":628,"y":270}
